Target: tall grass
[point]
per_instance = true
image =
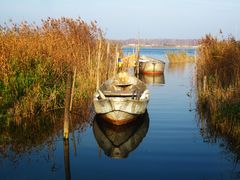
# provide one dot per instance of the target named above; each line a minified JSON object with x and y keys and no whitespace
{"x":34,"y":61}
{"x":218,"y":78}
{"x":218,"y":95}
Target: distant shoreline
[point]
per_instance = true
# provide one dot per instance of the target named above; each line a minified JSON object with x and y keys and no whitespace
{"x":173,"y":47}
{"x":159,"y":43}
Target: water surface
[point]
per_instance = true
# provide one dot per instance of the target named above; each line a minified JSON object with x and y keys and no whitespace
{"x":167,"y":143}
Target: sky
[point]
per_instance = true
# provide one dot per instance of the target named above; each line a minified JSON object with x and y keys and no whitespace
{"x":123,"y":19}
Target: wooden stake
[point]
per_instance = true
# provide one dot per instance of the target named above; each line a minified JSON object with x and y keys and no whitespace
{"x":89,"y":61}
{"x":73,"y":86}
{"x":116,"y":61}
{"x":67,"y":105}
{"x":98,"y":63}
{"x":108,"y":62}
{"x":204,"y":83}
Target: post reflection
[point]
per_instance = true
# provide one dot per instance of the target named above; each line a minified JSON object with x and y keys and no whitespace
{"x":67,"y":160}
{"x":119,"y":141}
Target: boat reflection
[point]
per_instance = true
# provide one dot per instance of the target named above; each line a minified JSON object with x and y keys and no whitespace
{"x":153,"y":79}
{"x":119,"y":141}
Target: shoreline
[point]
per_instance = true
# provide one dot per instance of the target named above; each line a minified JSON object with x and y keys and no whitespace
{"x":161,"y":47}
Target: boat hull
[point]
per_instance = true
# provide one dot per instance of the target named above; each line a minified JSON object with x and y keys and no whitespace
{"x":152,"y":68}
{"x":120,"y":111}
{"x":118,"y":117}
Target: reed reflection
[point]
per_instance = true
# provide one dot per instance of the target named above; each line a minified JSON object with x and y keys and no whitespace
{"x":177,"y":67}
{"x":226,"y":131}
{"x":157,"y":79}
{"x":119,"y":141}
{"x":41,"y":136}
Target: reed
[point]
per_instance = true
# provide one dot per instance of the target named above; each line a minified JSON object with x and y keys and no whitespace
{"x":34,"y":62}
{"x":179,"y":57}
{"x":218,"y":78}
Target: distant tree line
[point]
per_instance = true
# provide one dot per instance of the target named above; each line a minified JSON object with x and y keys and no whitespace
{"x":160,"y":42}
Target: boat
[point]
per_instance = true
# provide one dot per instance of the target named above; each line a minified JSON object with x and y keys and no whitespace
{"x":149,"y":65}
{"x":121,"y":99}
{"x":118,"y":141}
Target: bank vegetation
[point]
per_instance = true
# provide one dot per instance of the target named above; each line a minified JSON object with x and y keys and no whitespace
{"x":35,"y":61}
{"x":218,"y":79}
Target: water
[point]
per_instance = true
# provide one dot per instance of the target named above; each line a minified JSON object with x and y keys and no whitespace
{"x":160,"y":53}
{"x":167,"y":143}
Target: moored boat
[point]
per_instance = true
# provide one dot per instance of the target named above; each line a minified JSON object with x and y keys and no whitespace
{"x":150,"y":65}
{"x":121,"y":99}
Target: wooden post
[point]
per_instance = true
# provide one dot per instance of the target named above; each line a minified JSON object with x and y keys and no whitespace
{"x":195,"y":55}
{"x":108,"y":62}
{"x":72,"y":87}
{"x":137,"y":63}
{"x":116,"y":60}
{"x":98,"y":62}
{"x":154,"y":64}
{"x":67,"y":105}
{"x":204,"y":83}
{"x":89,"y":61}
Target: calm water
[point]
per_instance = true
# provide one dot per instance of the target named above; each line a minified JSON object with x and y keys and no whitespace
{"x":166,"y":143}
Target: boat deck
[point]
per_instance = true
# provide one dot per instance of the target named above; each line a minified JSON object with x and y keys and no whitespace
{"x":119,"y":94}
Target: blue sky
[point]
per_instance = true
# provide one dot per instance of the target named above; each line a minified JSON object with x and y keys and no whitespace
{"x":122,"y":19}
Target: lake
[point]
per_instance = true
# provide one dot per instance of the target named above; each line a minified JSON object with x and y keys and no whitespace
{"x":169,"y":142}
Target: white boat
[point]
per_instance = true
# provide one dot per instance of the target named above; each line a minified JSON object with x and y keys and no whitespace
{"x":150,"y":65}
{"x":121,"y":99}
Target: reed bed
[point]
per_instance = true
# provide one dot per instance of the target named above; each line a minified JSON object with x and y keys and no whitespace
{"x":179,"y":57}
{"x":218,"y":79}
{"x":35,"y":60}
{"x":218,"y":95}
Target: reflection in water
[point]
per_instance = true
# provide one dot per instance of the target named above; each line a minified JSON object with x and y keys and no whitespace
{"x":67,"y":160}
{"x":32,"y":136}
{"x":17,"y":139}
{"x":226,"y":131}
{"x":152,"y":79}
{"x":119,"y":141}
{"x":217,"y":129}
{"x":177,"y":67}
